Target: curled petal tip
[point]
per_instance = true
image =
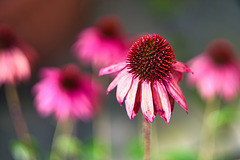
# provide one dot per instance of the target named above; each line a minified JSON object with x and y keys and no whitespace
{"x":186,"y":110}
{"x":149,"y":119}
{"x":166,"y":120}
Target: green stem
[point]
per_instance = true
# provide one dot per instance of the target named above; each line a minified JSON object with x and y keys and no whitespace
{"x":208,"y":133}
{"x":62,"y":129}
{"x":147,"y":134}
{"x":16,"y":114}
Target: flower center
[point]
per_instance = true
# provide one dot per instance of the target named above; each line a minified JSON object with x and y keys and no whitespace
{"x":70,"y":78}
{"x":150,"y":58}
{"x":109,"y":26}
{"x":221,"y":51}
{"x":69,"y":84}
{"x":7,"y":39}
{"x":5,"y":42}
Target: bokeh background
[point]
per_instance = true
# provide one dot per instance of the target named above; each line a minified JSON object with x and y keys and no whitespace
{"x":51,"y":27}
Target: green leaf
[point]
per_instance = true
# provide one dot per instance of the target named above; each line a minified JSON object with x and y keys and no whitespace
{"x":68,"y":146}
{"x":224,"y":116}
{"x":227,"y":115}
{"x":95,"y":149}
{"x":135,"y":149}
{"x":177,"y":154}
{"x":22,"y":151}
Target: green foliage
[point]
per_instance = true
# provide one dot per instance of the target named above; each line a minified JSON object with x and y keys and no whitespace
{"x":176,"y":154}
{"x":95,"y":149}
{"x":135,"y":149}
{"x":22,"y":150}
{"x":67,"y":146}
{"x":224,"y":116}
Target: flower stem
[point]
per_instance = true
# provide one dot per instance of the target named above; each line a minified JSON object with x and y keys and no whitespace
{"x":16,"y":114}
{"x":62,"y":129}
{"x":208,"y":134}
{"x":146,"y":130}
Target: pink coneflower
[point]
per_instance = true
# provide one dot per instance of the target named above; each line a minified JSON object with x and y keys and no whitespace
{"x":216,"y":71}
{"x":103,"y":44}
{"x":66,"y":93}
{"x":148,"y":79}
{"x":15,"y":56}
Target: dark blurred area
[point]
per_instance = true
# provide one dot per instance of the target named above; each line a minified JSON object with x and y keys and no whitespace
{"x":52,"y":26}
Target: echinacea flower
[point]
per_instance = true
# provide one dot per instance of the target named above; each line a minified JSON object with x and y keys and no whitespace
{"x":103,"y":44}
{"x":67,"y":93}
{"x":15,"y":57}
{"x":148,"y":79}
{"x":216,"y":71}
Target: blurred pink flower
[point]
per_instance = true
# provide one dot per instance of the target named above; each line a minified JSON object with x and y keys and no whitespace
{"x":148,"y":79}
{"x":103,"y":44}
{"x":66,"y":93}
{"x":216,"y":71}
{"x":15,"y":57}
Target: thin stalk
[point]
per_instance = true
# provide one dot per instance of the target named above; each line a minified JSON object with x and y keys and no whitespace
{"x":16,"y":114}
{"x":208,"y":133}
{"x":147,"y":142}
{"x":62,"y":128}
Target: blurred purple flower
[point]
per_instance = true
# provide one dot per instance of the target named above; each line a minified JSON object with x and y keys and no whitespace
{"x":16,"y":57}
{"x":102,"y":44}
{"x":149,"y":79}
{"x":66,"y":93}
{"x":216,"y":71}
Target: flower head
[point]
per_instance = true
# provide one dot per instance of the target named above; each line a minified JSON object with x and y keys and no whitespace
{"x":149,"y":78}
{"x":15,"y":57}
{"x":66,"y":93}
{"x":102,"y":44}
{"x":216,"y":71}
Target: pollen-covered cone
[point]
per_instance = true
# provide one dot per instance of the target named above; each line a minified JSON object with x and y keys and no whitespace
{"x":149,"y":79}
{"x":16,"y":57}
{"x":216,"y":71}
{"x":102,"y":44}
{"x":67,"y":93}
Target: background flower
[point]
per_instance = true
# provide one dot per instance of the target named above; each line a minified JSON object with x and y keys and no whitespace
{"x":102,"y":44}
{"x":16,"y":57}
{"x":66,"y":93}
{"x":216,"y":71}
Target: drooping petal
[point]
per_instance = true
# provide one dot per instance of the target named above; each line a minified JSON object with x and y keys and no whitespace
{"x":181,"y":67}
{"x":178,"y":76}
{"x":171,"y":100}
{"x":147,"y":102}
{"x":175,"y":91}
{"x":114,"y":83}
{"x":161,"y":101}
{"x":123,"y":87}
{"x":111,"y":69}
{"x":207,"y":84}
{"x":131,"y":97}
{"x":230,"y":84}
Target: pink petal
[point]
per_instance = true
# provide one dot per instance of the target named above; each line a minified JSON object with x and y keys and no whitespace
{"x":208,"y":84}
{"x":181,"y":67}
{"x":111,"y":69}
{"x":114,"y":83}
{"x":175,"y":91}
{"x":130,"y":98}
{"x":123,"y":87}
{"x":178,"y":76}
{"x":230,"y":84}
{"x":147,"y":102}
{"x":161,"y":101}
